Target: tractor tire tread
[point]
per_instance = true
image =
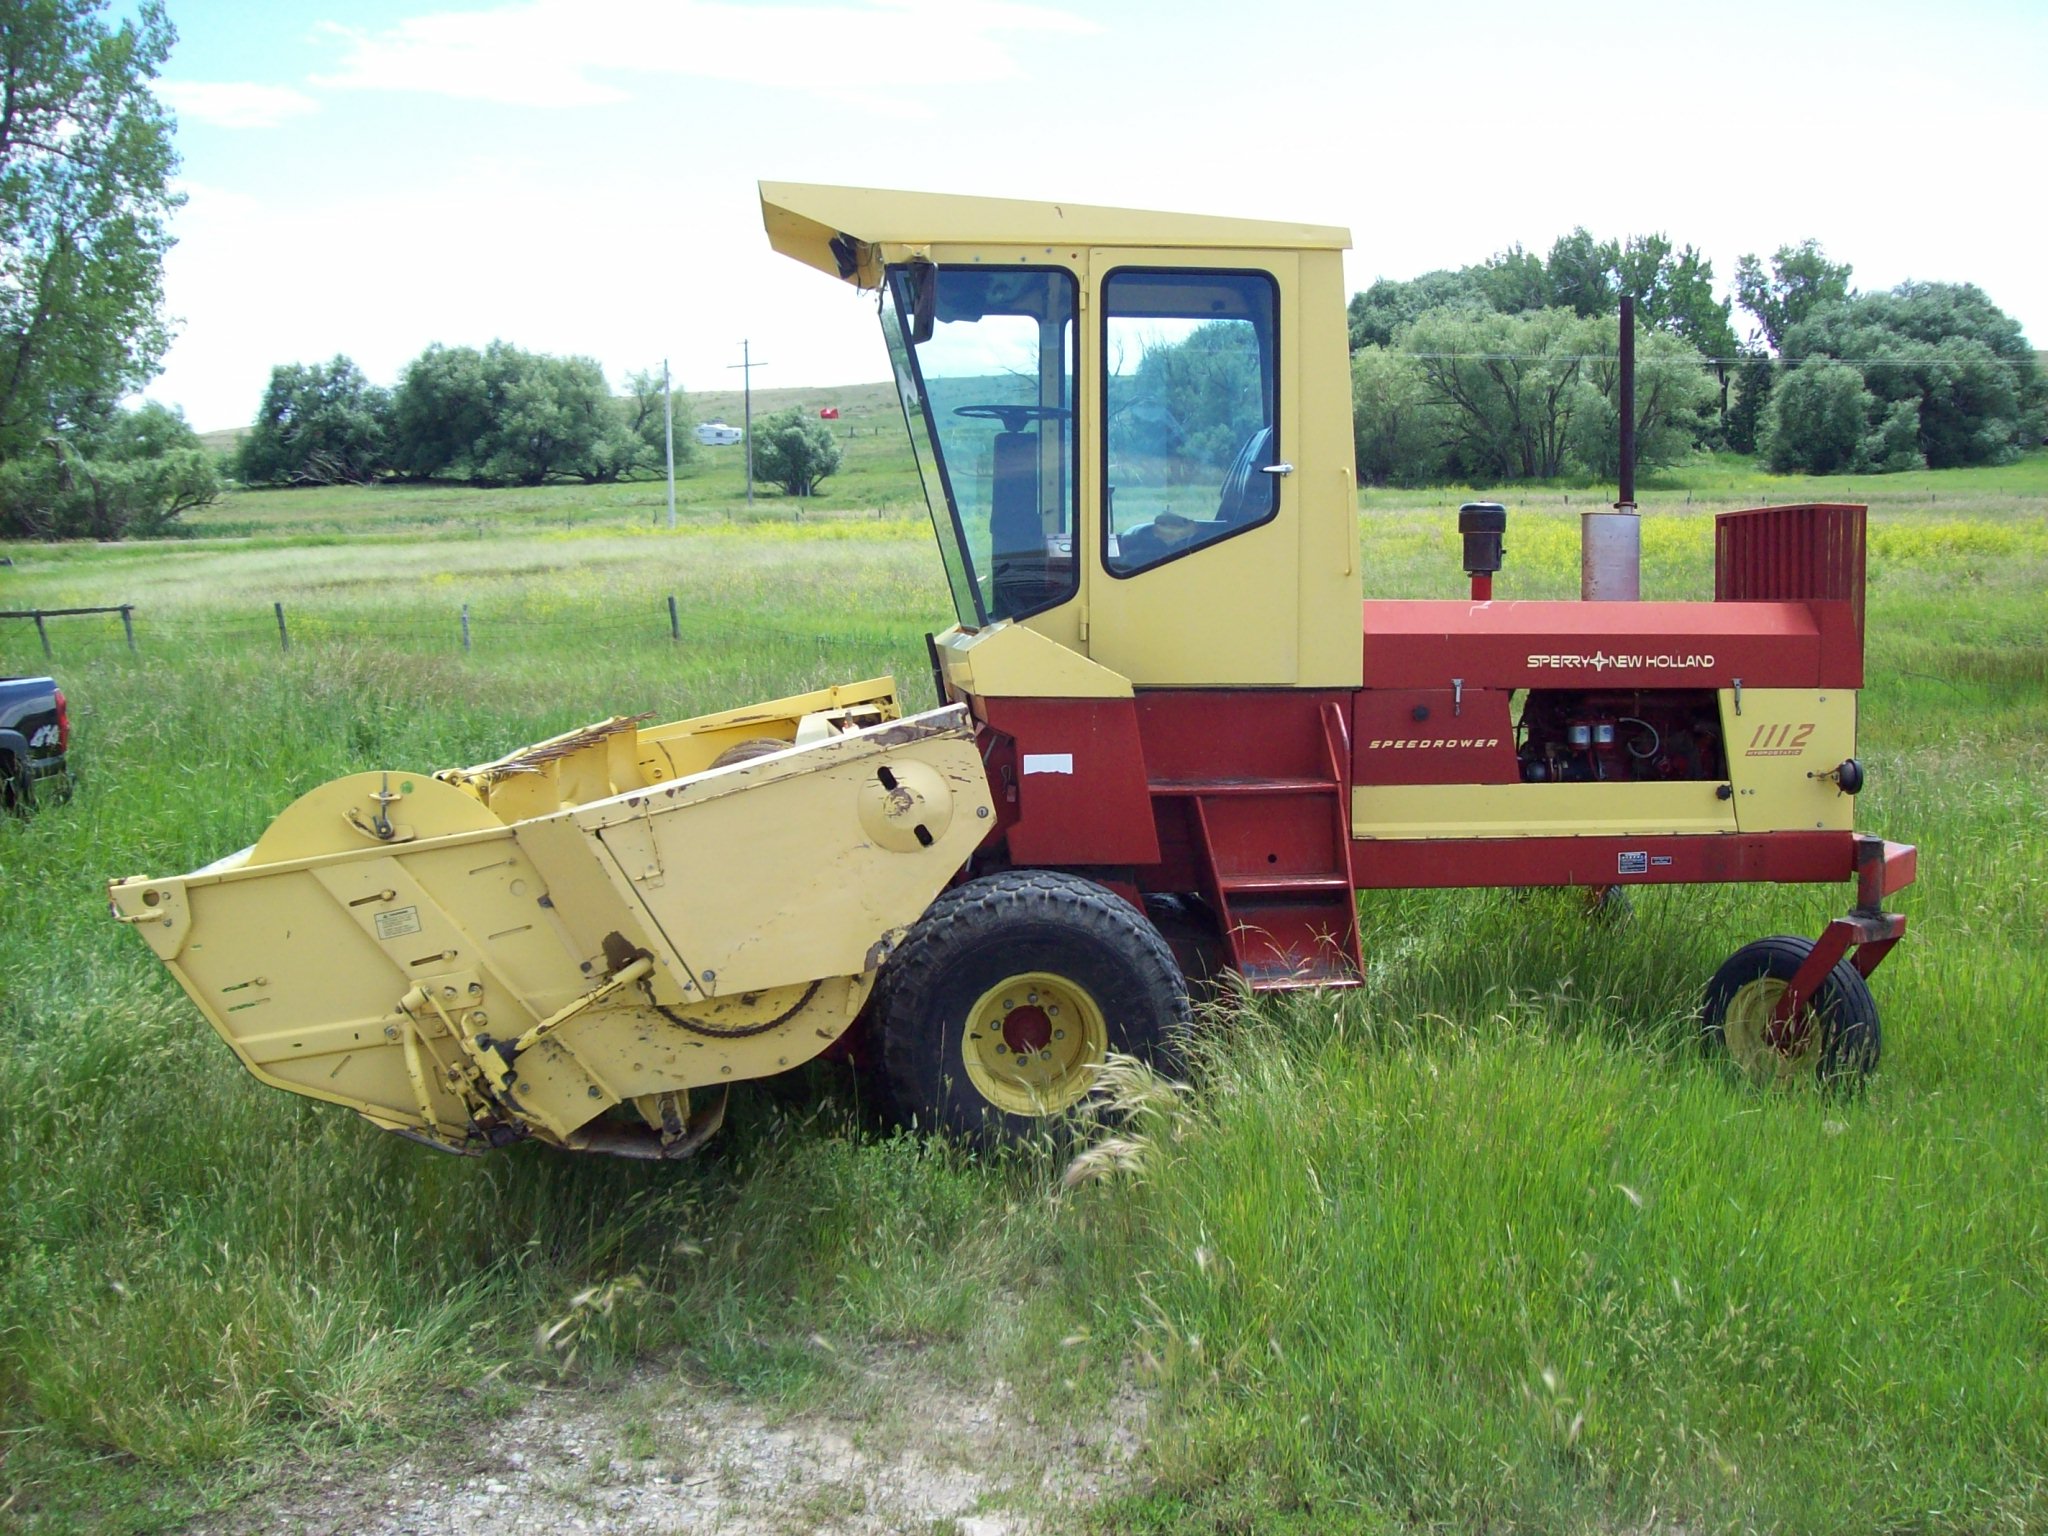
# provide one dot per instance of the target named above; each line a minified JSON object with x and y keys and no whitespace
{"x":1005,"y":903}
{"x":1853,"y":1041}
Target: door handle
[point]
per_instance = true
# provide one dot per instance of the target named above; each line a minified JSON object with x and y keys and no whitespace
{"x":1277,"y":469}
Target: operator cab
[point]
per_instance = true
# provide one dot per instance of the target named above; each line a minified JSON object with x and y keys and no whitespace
{"x":1130,"y":443}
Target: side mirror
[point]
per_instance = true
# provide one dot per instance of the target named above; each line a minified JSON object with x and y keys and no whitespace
{"x":924,"y":300}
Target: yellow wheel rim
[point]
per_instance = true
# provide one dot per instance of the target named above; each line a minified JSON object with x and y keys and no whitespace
{"x":1033,"y":1042}
{"x":1746,"y":1028}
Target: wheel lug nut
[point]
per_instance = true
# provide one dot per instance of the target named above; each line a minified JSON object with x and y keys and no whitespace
{"x":1031,"y":997}
{"x":1059,"y":1034}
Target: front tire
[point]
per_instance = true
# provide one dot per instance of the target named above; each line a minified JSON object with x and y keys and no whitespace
{"x":1833,"y":1040}
{"x":1008,"y":994}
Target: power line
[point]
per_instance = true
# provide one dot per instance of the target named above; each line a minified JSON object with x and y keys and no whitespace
{"x":1729,"y":362}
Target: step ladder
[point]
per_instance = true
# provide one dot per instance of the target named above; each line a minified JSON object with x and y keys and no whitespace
{"x":1277,"y":868}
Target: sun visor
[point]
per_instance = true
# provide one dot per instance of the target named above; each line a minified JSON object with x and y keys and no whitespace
{"x":853,"y":232}
{"x":800,"y":227}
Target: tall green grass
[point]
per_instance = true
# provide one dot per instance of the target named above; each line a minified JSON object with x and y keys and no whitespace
{"x":1484,"y":1244}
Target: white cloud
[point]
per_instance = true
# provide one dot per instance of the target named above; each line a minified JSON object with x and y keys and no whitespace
{"x":235,"y":103}
{"x":573,"y":53}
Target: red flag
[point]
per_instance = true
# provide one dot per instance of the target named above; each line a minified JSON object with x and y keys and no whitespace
{"x":830,"y":413}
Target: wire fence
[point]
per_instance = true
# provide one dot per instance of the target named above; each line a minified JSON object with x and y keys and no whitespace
{"x":284,"y":628}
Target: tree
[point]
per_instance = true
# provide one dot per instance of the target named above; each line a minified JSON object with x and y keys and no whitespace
{"x":1581,"y":273}
{"x":1816,"y":420}
{"x":1513,"y":281}
{"x":1391,"y":305}
{"x":506,"y":416}
{"x":319,"y":424}
{"x":1675,"y":397}
{"x":85,"y":169}
{"x":440,"y":412}
{"x":1754,"y":378}
{"x":794,"y":451}
{"x":1801,"y":280}
{"x":1504,"y":388}
{"x":1674,"y":291}
{"x":1945,"y":348}
{"x":646,"y":420}
{"x":552,"y":417}
{"x":137,"y":474}
{"x":1528,"y":396}
{"x":1394,"y":430}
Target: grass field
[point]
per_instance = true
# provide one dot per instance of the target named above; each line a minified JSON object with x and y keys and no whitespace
{"x":1485,"y":1244}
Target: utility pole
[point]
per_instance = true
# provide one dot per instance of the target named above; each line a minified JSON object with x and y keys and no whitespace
{"x":668,"y":440}
{"x":746,"y":366}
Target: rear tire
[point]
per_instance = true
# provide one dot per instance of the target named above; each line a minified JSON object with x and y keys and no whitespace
{"x":1835,"y":1041}
{"x":746,"y":751}
{"x":994,"y":1014}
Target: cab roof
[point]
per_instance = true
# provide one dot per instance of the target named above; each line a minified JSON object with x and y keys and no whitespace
{"x":853,"y":232}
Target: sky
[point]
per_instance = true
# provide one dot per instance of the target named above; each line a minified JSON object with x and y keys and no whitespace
{"x":578,"y":176}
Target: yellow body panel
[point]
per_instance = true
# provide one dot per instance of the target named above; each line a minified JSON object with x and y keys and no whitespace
{"x":1278,"y":605}
{"x":470,"y":975}
{"x":1780,"y":744}
{"x":1537,"y":810}
{"x":1015,"y":661}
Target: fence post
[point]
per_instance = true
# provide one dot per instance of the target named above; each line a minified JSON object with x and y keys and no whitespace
{"x":675,"y":625}
{"x":43,"y":635}
{"x":284,"y":639}
{"x":465,"y":626}
{"x":128,"y":625}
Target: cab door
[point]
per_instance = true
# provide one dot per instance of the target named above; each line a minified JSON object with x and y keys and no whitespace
{"x":1195,"y":529}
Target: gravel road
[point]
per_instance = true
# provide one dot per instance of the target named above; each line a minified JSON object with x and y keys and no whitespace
{"x":904,"y":1451}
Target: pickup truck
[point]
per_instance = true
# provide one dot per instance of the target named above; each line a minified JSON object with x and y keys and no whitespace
{"x":35,"y":733}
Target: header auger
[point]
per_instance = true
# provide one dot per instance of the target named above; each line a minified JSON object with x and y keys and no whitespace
{"x":1175,"y":738}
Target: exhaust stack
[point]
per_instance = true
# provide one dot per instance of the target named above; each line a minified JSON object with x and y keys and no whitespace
{"x":1611,"y":542}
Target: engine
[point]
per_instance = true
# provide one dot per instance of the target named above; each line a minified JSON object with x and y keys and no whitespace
{"x":1579,"y":738}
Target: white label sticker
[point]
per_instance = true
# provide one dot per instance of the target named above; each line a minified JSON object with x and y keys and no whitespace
{"x":1632,"y":863}
{"x":1048,"y":762}
{"x":398,"y":923}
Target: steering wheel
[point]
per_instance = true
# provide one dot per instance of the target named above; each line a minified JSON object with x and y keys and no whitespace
{"x":1013,"y":417}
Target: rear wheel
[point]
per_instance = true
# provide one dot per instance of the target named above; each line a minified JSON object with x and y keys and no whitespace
{"x":1833,"y":1039}
{"x":746,"y":751}
{"x":1008,"y":994}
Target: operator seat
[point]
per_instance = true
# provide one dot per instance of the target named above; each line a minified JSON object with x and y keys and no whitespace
{"x":1016,"y":530}
{"x":1247,"y":496}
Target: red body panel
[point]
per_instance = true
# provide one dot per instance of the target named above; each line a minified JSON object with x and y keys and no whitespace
{"x":1433,"y":736}
{"x":1609,"y":645}
{"x":1811,"y":554}
{"x":1078,"y":772}
{"x":1797,"y":858}
{"x":1234,"y":733}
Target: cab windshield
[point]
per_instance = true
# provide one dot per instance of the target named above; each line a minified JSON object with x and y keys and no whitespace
{"x":984,"y":360}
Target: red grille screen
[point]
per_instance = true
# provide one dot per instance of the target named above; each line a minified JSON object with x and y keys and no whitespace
{"x":1787,"y":554}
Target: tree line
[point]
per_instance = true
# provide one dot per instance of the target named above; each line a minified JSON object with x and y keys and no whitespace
{"x":1507,"y":369}
{"x":496,"y":416}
